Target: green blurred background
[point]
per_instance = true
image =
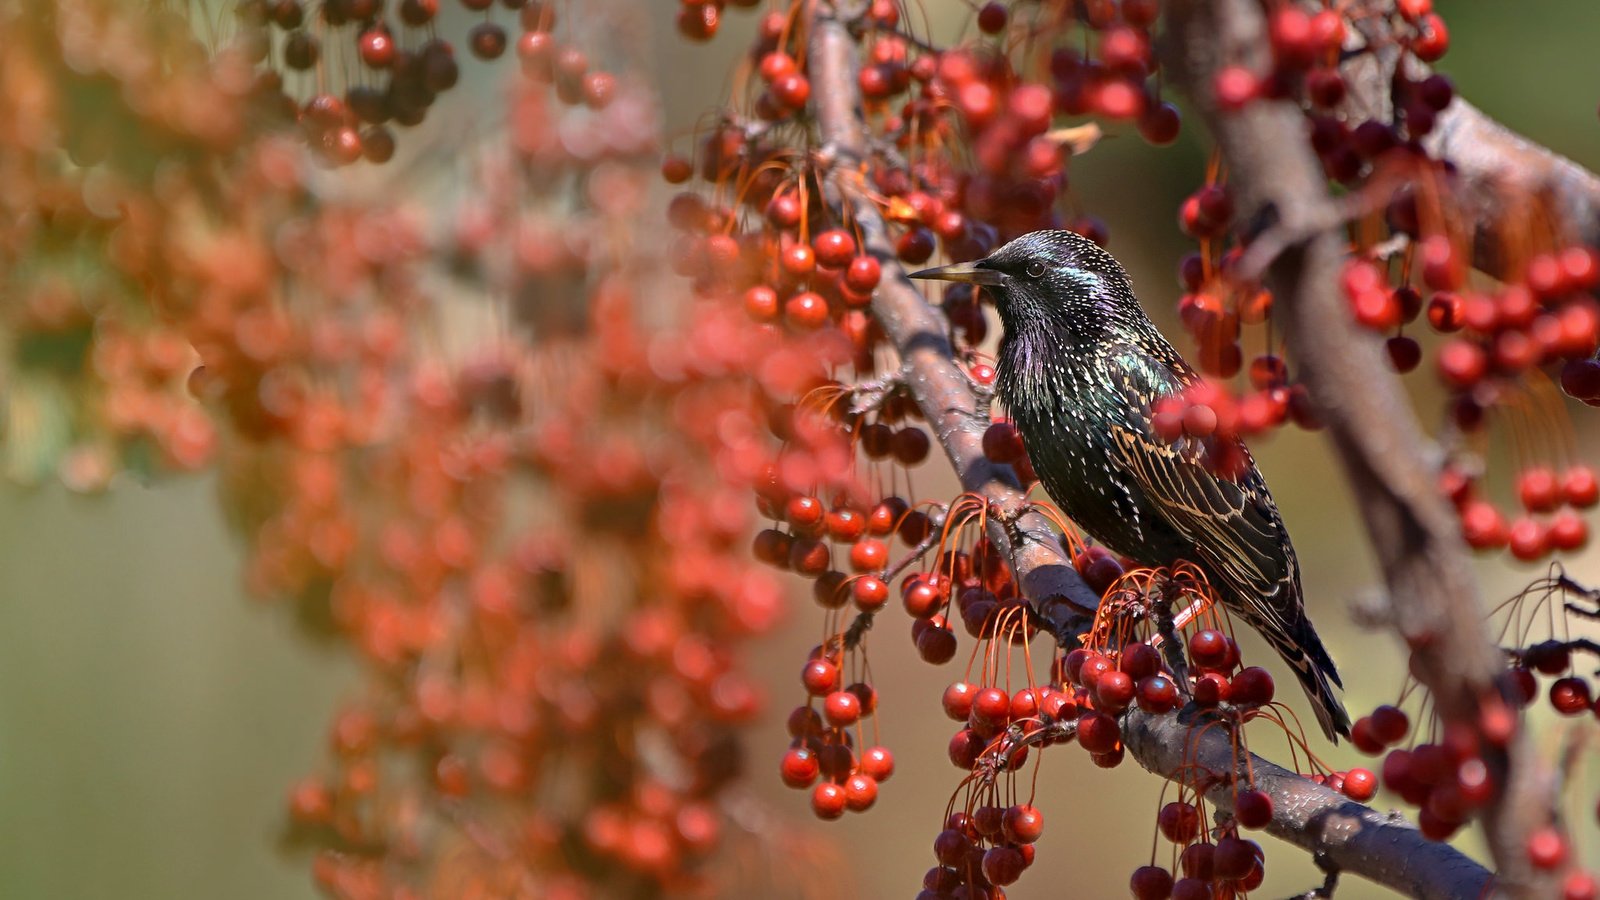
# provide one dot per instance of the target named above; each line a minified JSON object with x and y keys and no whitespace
{"x":152,"y":716}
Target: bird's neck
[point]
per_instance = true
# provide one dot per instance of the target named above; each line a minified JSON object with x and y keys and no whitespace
{"x":1037,"y":362}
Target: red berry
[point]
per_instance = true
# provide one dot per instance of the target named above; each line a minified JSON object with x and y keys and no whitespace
{"x":869,"y":555}
{"x":1390,"y":724}
{"x":1025,"y":703}
{"x":834,"y":248}
{"x":1022,"y":824}
{"x":1538,"y":489}
{"x":841,"y":708}
{"x":965,"y":748}
{"x":1547,"y":848}
{"x":922,"y":597}
{"x":878,"y":763}
{"x":376,"y":48}
{"x":1404,"y":353}
{"x":863,"y":274}
{"x":1252,"y":686}
{"x":987,"y":820}
{"x":1208,"y":648}
{"x":1293,"y":41}
{"x":1002,"y":443}
{"x":957,"y":700}
{"x":806,"y":311}
{"x":1157,"y":694}
{"x":991,"y":706}
{"x":1179,"y":822}
{"x":1360,"y":785}
{"x":1482,"y":525}
{"x":936,"y":646}
{"x":1568,"y":531}
{"x":1150,"y":883}
{"x":1580,"y":885}
{"x":1446,"y":312}
{"x":1580,"y":488}
{"x":829,"y":590}
{"x":1433,"y":38}
{"x":761,"y":303}
{"x":804,"y":722}
{"x":1570,"y":696}
{"x":911,"y":446}
{"x":1114,"y":690}
{"x":487,"y":40}
{"x":1197,"y":861}
{"x":1253,"y":809}
{"x":1234,"y":87}
{"x":775,"y":65}
{"x":869,"y":593}
{"x":1233,"y":858}
{"x":1139,"y":660}
{"x":792,"y":90}
{"x":992,"y":18}
{"x":1211,"y":688}
{"x":820,"y":677}
{"x":1528,"y":539}
{"x":915,"y":246}
{"x":828,"y":800}
{"x":1098,"y":732}
{"x":860,"y":792}
{"x":1160,"y":124}
{"x":799,"y":768}
{"x":1362,"y":736}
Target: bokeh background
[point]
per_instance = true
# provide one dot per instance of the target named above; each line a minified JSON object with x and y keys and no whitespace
{"x":152,"y":716}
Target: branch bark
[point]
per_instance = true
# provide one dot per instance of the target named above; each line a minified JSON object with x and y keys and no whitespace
{"x":1354,"y":837}
{"x":1345,"y":834}
{"x":1387,"y":459}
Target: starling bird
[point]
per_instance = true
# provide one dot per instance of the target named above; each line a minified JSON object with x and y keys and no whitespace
{"x":1081,"y":371}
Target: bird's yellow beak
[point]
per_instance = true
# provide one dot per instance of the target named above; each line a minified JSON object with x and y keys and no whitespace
{"x":967,"y":273}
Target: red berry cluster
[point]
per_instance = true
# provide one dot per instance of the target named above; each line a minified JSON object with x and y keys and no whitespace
{"x":1550,"y":522}
{"x":375,"y":65}
{"x":1227,"y":866}
{"x":488,"y":531}
{"x":1447,"y":777}
{"x":1447,"y":781}
{"x":1408,"y":267}
{"x":982,"y":850}
{"x":93,"y":194}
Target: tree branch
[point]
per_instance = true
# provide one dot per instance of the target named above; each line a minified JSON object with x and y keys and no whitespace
{"x":1387,"y":459}
{"x":1349,"y":836}
{"x":918,"y":333}
{"x":1355,"y":837}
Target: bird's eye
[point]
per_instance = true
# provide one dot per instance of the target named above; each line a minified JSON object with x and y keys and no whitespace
{"x":1035,"y":269}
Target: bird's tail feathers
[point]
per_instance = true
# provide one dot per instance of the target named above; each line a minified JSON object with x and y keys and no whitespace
{"x":1317,"y":675}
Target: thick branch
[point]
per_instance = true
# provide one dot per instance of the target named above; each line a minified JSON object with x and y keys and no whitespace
{"x":918,"y":332}
{"x":1351,"y":837}
{"x":1387,"y":459}
{"x":1357,"y":838}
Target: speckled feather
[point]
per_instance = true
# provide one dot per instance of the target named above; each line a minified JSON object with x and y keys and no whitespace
{"x":1081,"y":367}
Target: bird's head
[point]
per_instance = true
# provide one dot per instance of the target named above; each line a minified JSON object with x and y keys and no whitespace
{"x":1055,"y":278}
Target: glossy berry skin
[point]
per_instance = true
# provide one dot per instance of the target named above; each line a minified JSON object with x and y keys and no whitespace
{"x":1081,"y":370}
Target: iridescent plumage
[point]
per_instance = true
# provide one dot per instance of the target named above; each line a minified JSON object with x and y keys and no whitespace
{"x":1081,"y":370}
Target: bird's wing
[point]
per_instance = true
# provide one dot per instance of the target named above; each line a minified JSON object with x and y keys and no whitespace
{"x":1209,"y":491}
